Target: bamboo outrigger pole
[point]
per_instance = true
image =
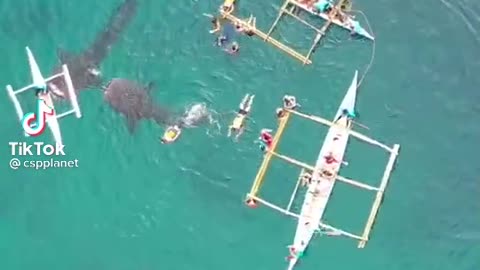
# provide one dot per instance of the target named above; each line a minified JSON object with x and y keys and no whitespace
{"x":379,"y":197}
{"x":288,"y":8}
{"x":268,"y":156}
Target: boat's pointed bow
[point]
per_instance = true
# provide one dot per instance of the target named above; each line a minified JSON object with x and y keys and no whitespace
{"x":37,"y":77}
{"x":348,"y":102}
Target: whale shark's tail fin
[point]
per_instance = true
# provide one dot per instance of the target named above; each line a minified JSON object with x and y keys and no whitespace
{"x":116,"y":24}
{"x":38,"y":79}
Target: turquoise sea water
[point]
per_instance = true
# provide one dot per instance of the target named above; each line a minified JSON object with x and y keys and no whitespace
{"x":134,"y":204}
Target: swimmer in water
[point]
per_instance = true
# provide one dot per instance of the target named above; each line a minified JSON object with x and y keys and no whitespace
{"x":234,"y":48}
{"x":227,"y":7}
{"x":238,"y":124}
{"x":216,"y":25}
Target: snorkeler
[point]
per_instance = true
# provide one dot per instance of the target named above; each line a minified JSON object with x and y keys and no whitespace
{"x":234,"y":48}
{"x":227,"y":7}
{"x":290,"y":102}
{"x":216,"y":25}
{"x":238,"y":124}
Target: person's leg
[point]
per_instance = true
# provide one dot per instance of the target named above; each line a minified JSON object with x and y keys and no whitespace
{"x":249,"y":103}
{"x":244,"y":102}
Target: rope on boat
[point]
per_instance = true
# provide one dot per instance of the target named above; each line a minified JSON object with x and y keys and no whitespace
{"x":372,"y":57}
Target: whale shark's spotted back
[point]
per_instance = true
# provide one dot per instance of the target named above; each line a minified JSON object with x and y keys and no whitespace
{"x":134,"y":102}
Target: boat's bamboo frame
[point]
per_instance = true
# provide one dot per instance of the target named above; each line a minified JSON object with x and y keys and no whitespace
{"x":277,"y":44}
{"x":71,"y":91}
{"x":288,"y":8}
{"x":305,"y":167}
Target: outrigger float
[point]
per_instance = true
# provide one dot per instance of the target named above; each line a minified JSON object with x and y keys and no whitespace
{"x":290,"y":7}
{"x":40,"y":82}
{"x":323,"y":176}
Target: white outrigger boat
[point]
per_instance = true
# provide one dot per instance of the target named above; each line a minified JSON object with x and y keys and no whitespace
{"x":323,"y":177}
{"x":40,"y":83}
{"x":347,"y":23}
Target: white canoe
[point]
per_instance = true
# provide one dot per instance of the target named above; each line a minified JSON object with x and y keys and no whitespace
{"x":345,"y":25}
{"x":321,"y":187}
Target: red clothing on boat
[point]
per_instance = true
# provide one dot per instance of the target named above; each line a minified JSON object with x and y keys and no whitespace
{"x":267,"y":138}
{"x":330,"y":159}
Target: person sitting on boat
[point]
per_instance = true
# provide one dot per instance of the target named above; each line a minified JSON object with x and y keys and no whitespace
{"x":346,"y":113}
{"x":323,"y":6}
{"x":216,"y":25}
{"x":227,"y":7}
{"x":290,"y":102}
{"x":294,"y":253}
{"x":306,"y":179}
{"x":330,"y":159}
{"x":243,"y":111}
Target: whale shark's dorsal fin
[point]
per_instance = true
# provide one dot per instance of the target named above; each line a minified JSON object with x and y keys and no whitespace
{"x":150,"y":86}
{"x":64,"y":56}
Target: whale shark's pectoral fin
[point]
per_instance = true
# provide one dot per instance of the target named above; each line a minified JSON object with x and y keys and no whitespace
{"x":131,"y":124}
{"x":64,"y":56}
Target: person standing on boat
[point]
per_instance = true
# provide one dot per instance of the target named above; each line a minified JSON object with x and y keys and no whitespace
{"x":330,"y":159}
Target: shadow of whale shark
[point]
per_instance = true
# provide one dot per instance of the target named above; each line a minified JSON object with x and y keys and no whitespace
{"x":84,"y":67}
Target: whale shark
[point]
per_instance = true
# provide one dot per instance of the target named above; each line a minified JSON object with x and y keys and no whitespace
{"x":134,"y":101}
{"x":84,"y":67}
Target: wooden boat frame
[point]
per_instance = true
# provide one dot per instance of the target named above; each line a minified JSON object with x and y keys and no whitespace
{"x":259,"y":179}
{"x":288,"y":8}
{"x":53,"y":121}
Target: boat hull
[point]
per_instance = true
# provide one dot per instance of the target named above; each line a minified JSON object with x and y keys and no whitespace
{"x":323,"y":177}
{"x":345,"y":25}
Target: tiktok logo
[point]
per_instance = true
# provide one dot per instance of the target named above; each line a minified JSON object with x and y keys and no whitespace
{"x":34,"y":123}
